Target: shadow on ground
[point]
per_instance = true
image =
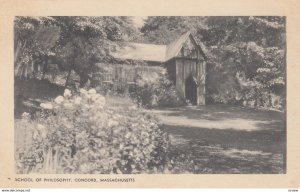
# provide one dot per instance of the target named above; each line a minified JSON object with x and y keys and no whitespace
{"x":29,"y":93}
{"x":228,"y":139}
{"x":220,"y":112}
{"x":264,"y":140}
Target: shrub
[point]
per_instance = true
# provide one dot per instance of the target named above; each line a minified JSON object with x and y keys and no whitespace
{"x":82,"y":134}
{"x":156,"y":90}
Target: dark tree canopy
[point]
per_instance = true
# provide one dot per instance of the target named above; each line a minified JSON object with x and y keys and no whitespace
{"x":77,"y":44}
{"x":246,"y":55}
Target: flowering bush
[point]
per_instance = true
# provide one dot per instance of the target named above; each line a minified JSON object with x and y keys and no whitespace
{"x":83,"y":134}
{"x":156,"y":90}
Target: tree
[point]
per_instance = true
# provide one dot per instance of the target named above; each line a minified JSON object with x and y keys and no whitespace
{"x":79,"y":43}
{"x":88,"y":40}
{"x":34,"y":38}
{"x":246,"y":55}
{"x":163,"y":30}
{"x":252,"y":51}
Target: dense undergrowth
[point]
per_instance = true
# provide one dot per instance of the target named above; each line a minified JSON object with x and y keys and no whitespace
{"x":83,"y":134}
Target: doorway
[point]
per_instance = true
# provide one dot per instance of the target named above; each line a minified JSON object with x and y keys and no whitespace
{"x":191,"y":90}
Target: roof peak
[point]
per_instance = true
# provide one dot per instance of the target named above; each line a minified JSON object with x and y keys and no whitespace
{"x":150,"y":44}
{"x":153,"y":52}
{"x":174,"y":47}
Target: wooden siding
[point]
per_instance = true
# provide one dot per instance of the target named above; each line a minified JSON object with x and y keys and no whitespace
{"x":183,"y":58}
{"x":171,"y":69}
{"x":185,"y":68}
{"x":201,"y":78}
{"x":120,"y":77}
{"x":186,"y":65}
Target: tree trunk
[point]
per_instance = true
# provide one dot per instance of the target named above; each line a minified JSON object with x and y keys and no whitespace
{"x":45,"y":67}
{"x":67,"y":80}
{"x":270,"y":99}
{"x":17,"y":51}
{"x":83,"y":78}
{"x":70,"y":71}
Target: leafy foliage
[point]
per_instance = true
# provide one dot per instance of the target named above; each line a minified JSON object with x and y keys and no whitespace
{"x":163,"y":29}
{"x":76,"y":44}
{"x":155,"y":89}
{"x":88,"y":40}
{"x":251,"y":63}
{"x":246,"y":55}
{"x":82,"y":134}
{"x":35,"y":38}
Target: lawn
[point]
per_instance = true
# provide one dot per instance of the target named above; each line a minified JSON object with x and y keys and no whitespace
{"x":227,"y":139}
{"x":209,"y":139}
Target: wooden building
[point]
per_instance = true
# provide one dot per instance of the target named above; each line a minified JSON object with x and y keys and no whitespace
{"x":184,"y":60}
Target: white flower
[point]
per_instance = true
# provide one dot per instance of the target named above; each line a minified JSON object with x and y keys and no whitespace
{"x":92,"y":91}
{"x":42,"y":130}
{"x":101,"y":103}
{"x":68,"y":125}
{"x":40,"y":127}
{"x":59,"y":99}
{"x":132,"y":107}
{"x":145,"y":134}
{"x":112,"y":123}
{"x":128,"y":135}
{"x":146,"y":141}
{"x":44,"y":134}
{"x":67,"y":93}
{"x":77,"y":101}
{"x":92,"y":118}
{"x":46,"y":105}
{"x":84,"y":168}
{"x":64,"y":119}
{"x":100,"y":100}
{"x":35,"y":135}
{"x":102,"y":152}
{"x":86,"y":106}
{"x":25,"y":115}
{"x":68,"y":105}
{"x":95,"y":97}
{"x":116,"y":117}
{"x":83,"y":91}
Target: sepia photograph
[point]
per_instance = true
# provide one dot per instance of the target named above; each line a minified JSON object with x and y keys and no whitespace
{"x":150,"y":95}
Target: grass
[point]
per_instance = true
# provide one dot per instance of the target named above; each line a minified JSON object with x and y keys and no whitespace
{"x":214,"y":159}
{"x":227,"y":139}
{"x":215,"y":138}
{"x":29,"y":93}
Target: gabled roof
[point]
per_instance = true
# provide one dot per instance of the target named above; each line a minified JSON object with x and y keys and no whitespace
{"x":139,"y":51}
{"x":152,"y":52}
{"x":174,"y":47}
